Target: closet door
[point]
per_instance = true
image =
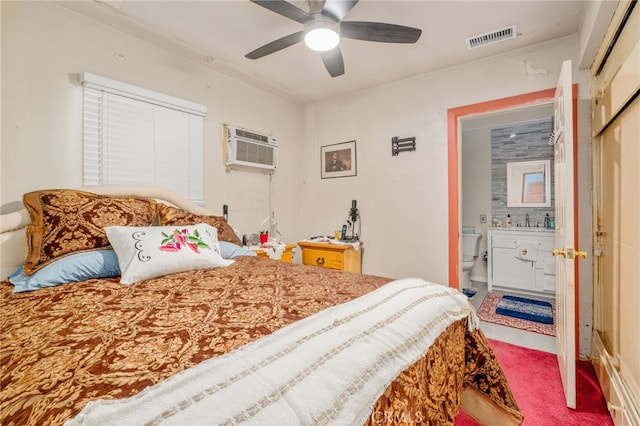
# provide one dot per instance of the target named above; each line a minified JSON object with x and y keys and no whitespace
{"x":616,"y":155}
{"x":629,"y":314}
{"x":617,"y":292}
{"x":608,"y":237}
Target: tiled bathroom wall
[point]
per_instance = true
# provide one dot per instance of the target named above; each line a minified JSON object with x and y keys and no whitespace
{"x":519,"y":142}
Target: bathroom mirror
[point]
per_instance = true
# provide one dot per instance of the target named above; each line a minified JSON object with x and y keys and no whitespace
{"x":529,"y":184}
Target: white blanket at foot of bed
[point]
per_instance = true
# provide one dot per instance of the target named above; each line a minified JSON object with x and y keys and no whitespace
{"x":329,"y":368}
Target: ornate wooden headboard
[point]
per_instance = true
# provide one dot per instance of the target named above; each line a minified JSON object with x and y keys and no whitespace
{"x":13,"y":243}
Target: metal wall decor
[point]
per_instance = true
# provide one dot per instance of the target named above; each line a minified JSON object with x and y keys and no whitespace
{"x":402,"y":145}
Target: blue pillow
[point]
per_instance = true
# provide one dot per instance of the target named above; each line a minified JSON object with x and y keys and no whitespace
{"x":230,"y":250}
{"x":73,"y":268}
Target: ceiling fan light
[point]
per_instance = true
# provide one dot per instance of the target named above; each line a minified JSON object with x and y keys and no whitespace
{"x":321,"y":39}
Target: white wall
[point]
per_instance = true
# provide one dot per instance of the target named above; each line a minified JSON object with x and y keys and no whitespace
{"x":45,"y":45}
{"x":403,"y":199}
{"x":476,"y":190}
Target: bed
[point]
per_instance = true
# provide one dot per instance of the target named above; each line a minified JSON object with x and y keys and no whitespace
{"x":244,"y":339}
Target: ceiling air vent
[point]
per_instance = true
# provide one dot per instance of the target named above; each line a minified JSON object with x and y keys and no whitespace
{"x":492,"y":37}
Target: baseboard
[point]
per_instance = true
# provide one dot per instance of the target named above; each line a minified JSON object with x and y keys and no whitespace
{"x":479,"y":279}
{"x":620,"y":402}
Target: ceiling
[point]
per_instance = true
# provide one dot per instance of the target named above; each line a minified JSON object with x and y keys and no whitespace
{"x":219,"y":33}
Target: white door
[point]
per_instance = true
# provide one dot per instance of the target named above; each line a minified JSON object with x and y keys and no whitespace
{"x":565,"y":252}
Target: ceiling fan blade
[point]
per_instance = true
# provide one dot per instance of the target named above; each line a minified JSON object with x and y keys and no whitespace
{"x":380,"y":32}
{"x":338,"y":9}
{"x":276,"y":45}
{"x":333,"y":61}
{"x":285,"y":9}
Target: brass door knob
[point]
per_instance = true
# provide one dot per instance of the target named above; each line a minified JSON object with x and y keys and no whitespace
{"x":569,"y":253}
{"x":320,"y":261}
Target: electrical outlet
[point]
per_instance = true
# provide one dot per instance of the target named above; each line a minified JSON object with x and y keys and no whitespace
{"x":483,"y":218}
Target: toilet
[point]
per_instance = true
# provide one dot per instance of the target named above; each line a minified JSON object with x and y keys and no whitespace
{"x":470,"y":248}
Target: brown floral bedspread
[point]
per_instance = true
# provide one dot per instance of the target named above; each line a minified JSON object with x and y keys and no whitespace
{"x":64,"y":346}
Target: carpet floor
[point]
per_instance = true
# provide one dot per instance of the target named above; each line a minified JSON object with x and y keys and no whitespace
{"x":536,"y":385}
{"x":487,"y":312}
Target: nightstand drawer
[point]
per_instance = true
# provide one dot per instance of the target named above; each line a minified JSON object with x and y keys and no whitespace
{"x":342,"y":257}
{"x":326,"y":259}
{"x":287,"y":254}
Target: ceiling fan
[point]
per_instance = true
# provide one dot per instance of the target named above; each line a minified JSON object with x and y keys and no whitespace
{"x":323,"y":27}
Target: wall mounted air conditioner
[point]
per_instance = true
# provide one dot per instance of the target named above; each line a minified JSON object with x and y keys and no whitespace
{"x":251,"y":149}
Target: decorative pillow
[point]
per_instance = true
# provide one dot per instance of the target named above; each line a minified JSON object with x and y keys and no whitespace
{"x":168,"y":215}
{"x":73,"y":268}
{"x":229,"y":250}
{"x":148,"y":252}
{"x":64,"y":221}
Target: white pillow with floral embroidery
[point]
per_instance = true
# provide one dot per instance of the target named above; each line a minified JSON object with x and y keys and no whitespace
{"x":154,"y":251}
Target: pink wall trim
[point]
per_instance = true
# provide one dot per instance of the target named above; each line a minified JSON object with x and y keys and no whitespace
{"x":453,"y":116}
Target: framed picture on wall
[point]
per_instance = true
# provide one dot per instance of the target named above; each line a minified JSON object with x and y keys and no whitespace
{"x":338,"y":160}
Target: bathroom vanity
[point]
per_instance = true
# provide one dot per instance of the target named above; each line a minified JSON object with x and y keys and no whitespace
{"x":520,"y":260}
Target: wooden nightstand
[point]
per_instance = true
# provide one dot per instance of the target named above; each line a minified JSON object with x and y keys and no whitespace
{"x":287,"y":255}
{"x":334,"y":256}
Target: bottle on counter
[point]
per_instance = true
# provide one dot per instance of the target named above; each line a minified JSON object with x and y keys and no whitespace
{"x":508,"y":222}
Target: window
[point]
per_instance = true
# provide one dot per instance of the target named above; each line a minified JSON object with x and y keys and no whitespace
{"x":134,"y":136}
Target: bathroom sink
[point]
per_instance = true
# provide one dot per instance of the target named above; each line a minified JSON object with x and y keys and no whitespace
{"x":522,"y":228}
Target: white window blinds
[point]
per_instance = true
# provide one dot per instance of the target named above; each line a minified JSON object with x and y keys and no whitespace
{"x":137,"y":137}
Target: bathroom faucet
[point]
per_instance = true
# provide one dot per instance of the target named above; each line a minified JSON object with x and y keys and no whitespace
{"x":526,"y":220}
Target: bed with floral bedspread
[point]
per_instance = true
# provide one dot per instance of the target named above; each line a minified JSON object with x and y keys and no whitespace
{"x":64,"y":346}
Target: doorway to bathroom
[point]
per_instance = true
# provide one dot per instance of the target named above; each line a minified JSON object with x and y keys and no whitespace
{"x":572,"y":186}
{"x":477,"y":210}
{"x":514,"y":133}
{"x":500,"y":110}
{"x":564,"y":140}
{"x":489,"y":144}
